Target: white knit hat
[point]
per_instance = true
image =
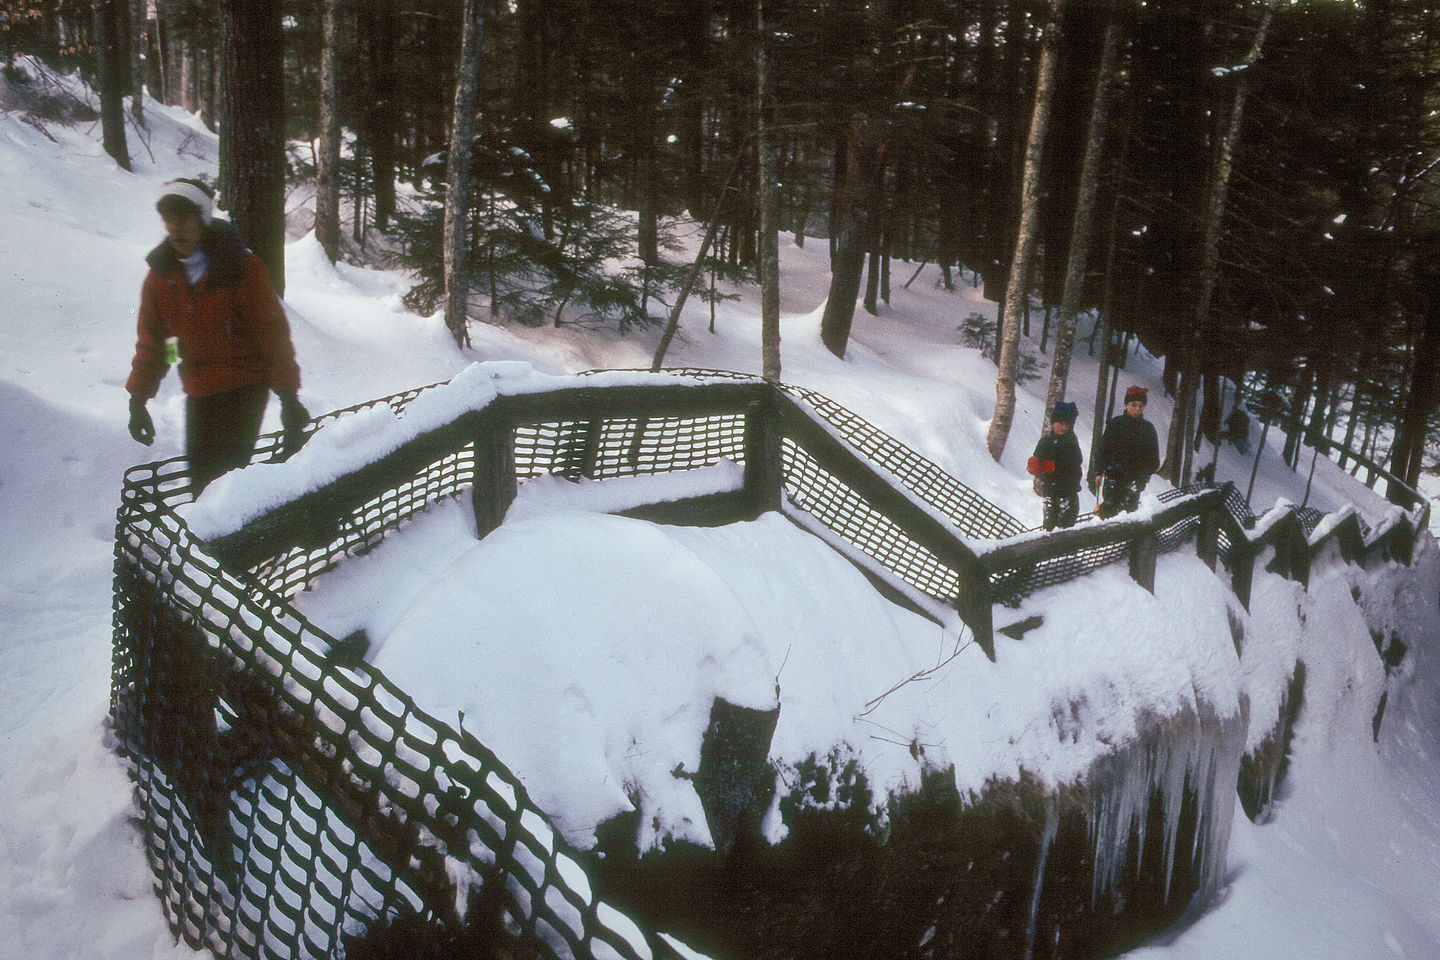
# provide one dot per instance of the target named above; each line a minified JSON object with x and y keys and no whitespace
{"x":192,"y":191}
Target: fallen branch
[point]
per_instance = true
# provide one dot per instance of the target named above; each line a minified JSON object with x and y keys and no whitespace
{"x":917,"y":676}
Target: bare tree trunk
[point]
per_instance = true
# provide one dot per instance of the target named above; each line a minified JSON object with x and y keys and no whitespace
{"x":1106,"y":86}
{"x":852,"y":238}
{"x":1209,"y":268}
{"x":111,"y":60}
{"x":673,"y":324}
{"x":1407,"y":458}
{"x":872,"y":276}
{"x":1102,"y":410}
{"x":188,"y":98}
{"x":378,"y":28}
{"x":1025,"y":234}
{"x":457,"y":176}
{"x":769,"y":229}
{"x":159,"y":71}
{"x":254,"y":128}
{"x":133,"y":12}
{"x":327,"y":166}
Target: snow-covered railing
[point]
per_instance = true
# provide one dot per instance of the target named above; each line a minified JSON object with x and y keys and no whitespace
{"x":292,"y":795}
{"x":902,"y":519}
{"x":1396,"y":490}
{"x":912,"y":520}
{"x":294,"y":802}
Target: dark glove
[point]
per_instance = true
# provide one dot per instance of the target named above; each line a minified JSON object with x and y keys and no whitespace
{"x":142,"y":428}
{"x":294,"y":418}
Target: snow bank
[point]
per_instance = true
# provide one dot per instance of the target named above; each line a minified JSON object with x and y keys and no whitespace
{"x":586,"y":650}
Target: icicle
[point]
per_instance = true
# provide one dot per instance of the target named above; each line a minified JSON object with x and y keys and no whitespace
{"x":1052,"y":827}
{"x":1190,"y":753}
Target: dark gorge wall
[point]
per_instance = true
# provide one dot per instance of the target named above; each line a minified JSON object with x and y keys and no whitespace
{"x":1021,"y":869}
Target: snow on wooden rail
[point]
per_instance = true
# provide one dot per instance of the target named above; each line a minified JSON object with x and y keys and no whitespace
{"x":796,"y":448}
{"x":250,"y":734}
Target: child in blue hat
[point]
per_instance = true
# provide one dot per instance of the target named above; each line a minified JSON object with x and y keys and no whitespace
{"x":1058,"y":467}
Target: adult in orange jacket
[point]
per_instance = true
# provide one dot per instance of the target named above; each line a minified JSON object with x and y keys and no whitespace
{"x":207,"y":303}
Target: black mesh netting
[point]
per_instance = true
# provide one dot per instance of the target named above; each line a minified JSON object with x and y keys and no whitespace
{"x":291,"y":795}
{"x":1012,"y":584}
{"x":972,"y":514}
{"x":288,"y":799}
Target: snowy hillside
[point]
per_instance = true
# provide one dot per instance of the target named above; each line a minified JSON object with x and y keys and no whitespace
{"x":1348,"y":867}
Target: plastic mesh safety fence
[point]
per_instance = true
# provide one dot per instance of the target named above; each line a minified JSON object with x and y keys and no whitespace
{"x":810,"y":487}
{"x":289,"y":800}
{"x":291,"y":796}
{"x":971,"y":513}
{"x":603,"y":448}
{"x":1011,"y":585}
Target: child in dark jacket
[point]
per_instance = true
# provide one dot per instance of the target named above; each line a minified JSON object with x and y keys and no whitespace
{"x":1057,"y":467}
{"x":1129,"y":454}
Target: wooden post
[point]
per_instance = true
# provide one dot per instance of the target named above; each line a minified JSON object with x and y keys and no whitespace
{"x":1144,"y":550}
{"x":1292,"y":550}
{"x":1300,"y":555}
{"x":1351,"y":540}
{"x":764,"y":464}
{"x":1207,"y":538}
{"x":494,"y":477}
{"x":974,"y":606}
{"x":1400,"y":543}
{"x":593,"y":429}
{"x":1242,"y":570}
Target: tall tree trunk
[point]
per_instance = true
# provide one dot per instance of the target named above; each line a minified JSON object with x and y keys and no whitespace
{"x":377,"y":19}
{"x":1025,"y":233}
{"x":695,"y":57}
{"x":647,"y":186}
{"x":188,"y":98}
{"x":112,"y":63}
{"x":852,"y":237}
{"x":1295,"y":420}
{"x":327,"y":166}
{"x":157,"y":72}
{"x":872,"y":275}
{"x":254,"y":128}
{"x":1424,"y":395}
{"x":1209,"y":268}
{"x":457,"y":175}
{"x":769,"y":229}
{"x":683,"y":294}
{"x":135,"y":47}
{"x":1081,"y":232}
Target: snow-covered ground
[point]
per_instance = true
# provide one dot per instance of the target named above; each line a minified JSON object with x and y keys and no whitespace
{"x":1348,"y":867}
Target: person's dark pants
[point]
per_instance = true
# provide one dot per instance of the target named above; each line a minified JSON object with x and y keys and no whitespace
{"x":1119,"y":495}
{"x":221,"y":430}
{"x":1061,"y":510}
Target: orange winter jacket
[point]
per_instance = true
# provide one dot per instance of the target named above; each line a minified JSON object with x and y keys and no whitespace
{"x":231,"y":327}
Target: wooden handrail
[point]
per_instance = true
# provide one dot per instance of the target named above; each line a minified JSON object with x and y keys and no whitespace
{"x":921,"y":522}
{"x":1393,"y":483}
{"x":309,"y":520}
{"x":1061,"y":543}
{"x":771,"y":416}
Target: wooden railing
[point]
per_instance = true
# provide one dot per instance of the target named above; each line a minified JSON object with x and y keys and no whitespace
{"x":792,"y":456}
{"x":1396,"y":490}
{"x":251,"y":733}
